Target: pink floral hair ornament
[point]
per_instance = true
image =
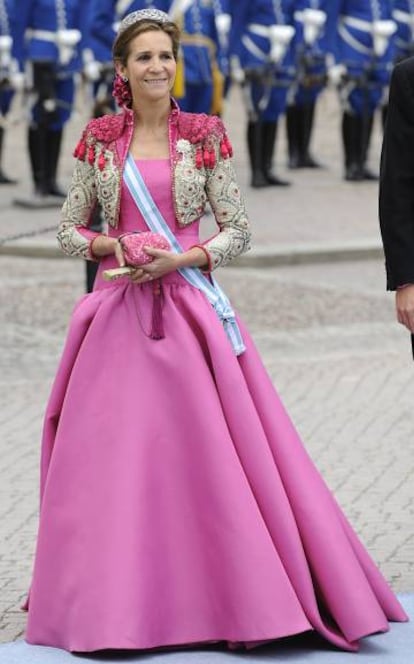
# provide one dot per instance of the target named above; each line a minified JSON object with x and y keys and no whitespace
{"x":121,"y":91}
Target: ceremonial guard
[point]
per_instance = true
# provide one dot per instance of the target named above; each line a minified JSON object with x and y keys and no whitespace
{"x":315,"y":27}
{"x":10,"y":78}
{"x":205,"y":26}
{"x":364,"y":56}
{"x":262,"y":59}
{"x":48,"y":43}
{"x":403,"y":15}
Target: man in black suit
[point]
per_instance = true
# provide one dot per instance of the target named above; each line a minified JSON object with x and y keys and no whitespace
{"x":396,"y":201}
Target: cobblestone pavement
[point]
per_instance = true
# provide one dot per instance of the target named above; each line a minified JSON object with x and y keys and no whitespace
{"x":327,"y":336}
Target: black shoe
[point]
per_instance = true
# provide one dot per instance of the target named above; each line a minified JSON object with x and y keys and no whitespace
{"x":4,"y":179}
{"x":259,"y":180}
{"x":54,"y":190}
{"x":309,"y":162}
{"x":369,"y":175}
{"x":294,"y":161}
{"x":354,"y":173}
{"x":274,"y":181}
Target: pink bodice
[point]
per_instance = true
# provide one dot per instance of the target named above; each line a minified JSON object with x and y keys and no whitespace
{"x":157,"y":176}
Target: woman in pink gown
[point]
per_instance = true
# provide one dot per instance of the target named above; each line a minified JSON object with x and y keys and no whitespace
{"x":178,"y":504}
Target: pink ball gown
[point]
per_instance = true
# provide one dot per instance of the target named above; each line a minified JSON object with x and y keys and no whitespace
{"x":178,"y":504}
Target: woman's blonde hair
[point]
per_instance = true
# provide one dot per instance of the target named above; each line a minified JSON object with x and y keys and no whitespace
{"x":120,"y":49}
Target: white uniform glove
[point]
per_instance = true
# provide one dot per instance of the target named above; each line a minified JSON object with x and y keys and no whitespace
{"x":236,"y":71}
{"x":336,"y":73}
{"x":91,"y":67}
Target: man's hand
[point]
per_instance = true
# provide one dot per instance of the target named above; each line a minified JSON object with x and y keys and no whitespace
{"x":404,"y":302}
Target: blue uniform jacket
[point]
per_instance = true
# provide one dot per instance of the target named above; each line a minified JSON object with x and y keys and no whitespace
{"x":403,"y":15}
{"x":326,"y":41}
{"x":259,"y":12}
{"x":366,"y":10}
{"x":42,"y":15}
{"x":200,"y":18}
{"x":7,"y":28}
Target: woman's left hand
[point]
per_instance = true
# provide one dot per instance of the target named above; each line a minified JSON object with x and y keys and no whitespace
{"x":163,"y":263}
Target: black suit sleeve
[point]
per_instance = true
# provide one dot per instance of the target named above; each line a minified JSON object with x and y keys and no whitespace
{"x":396,"y":199}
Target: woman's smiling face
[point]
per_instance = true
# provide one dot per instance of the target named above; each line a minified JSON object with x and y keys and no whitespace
{"x":150,"y":66}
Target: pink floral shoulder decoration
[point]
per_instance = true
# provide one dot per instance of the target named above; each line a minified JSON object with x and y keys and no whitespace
{"x":105,"y":129}
{"x":204,"y":131}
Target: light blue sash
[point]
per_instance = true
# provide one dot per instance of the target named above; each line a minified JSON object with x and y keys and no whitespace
{"x":156,"y":223}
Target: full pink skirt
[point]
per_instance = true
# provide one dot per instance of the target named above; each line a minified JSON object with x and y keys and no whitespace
{"x":178,"y":503}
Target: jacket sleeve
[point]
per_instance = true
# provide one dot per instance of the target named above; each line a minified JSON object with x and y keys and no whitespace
{"x":396,"y":199}
{"x":226,"y":201}
{"x":74,"y":236}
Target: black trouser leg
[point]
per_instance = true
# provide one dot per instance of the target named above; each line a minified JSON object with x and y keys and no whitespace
{"x":352,"y":144}
{"x":308,"y":117}
{"x":54,"y":142}
{"x":367,"y":126}
{"x":37,"y":153}
{"x":4,"y":179}
{"x":269,"y":134}
{"x":293,"y":135}
{"x":255,"y":148}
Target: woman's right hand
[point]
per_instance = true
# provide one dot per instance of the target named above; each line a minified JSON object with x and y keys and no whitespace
{"x":103,"y":245}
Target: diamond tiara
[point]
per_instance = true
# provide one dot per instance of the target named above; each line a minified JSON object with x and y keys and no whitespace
{"x":143,"y":15}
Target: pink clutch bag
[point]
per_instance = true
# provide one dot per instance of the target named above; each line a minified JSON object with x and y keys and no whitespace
{"x":133,"y":246}
{"x":133,"y":249}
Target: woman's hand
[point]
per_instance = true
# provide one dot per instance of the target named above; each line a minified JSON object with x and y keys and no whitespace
{"x":103,"y":245}
{"x":163,"y":263}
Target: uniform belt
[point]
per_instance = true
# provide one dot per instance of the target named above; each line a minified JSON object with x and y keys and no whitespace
{"x":66,"y":51}
{"x":197,"y":39}
{"x":43,"y":35}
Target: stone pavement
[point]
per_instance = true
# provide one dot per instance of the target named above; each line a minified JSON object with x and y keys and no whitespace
{"x":327,"y":336}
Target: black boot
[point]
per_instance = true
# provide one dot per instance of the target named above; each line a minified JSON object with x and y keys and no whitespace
{"x":38,"y":148}
{"x":293,"y":136}
{"x":4,"y":179}
{"x":307,"y":115}
{"x":254,"y":144}
{"x":268,"y":143}
{"x":37,"y":154}
{"x":54,"y":142}
{"x":367,"y":125}
{"x":351,"y":138}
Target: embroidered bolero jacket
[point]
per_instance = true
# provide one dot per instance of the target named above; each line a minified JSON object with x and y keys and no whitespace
{"x":202,"y":171}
